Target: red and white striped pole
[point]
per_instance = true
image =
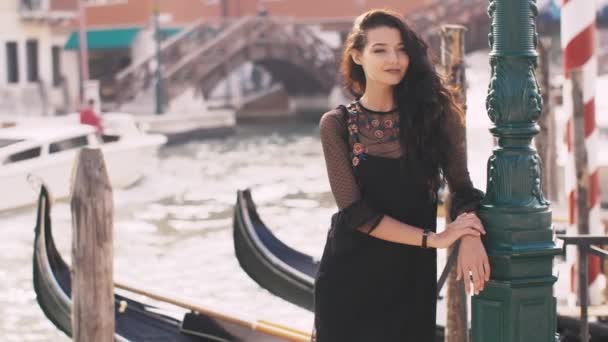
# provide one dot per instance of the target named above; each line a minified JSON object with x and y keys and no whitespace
{"x":579,"y":44}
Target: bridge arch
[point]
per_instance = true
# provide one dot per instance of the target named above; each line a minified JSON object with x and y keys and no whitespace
{"x":202,"y":55}
{"x":292,"y":54}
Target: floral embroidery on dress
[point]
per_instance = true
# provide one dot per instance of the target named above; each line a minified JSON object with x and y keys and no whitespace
{"x":388,"y":128}
{"x":358,"y":148}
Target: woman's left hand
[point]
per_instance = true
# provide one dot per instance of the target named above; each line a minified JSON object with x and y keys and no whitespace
{"x":472,"y":258}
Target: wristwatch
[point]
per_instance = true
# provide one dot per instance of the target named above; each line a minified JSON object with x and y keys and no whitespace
{"x":425,"y":235}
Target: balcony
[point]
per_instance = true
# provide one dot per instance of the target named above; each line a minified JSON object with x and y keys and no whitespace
{"x":40,"y":10}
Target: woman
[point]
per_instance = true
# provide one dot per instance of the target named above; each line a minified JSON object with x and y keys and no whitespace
{"x":386,"y":154}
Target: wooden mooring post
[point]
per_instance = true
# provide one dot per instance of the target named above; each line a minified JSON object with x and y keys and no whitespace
{"x":581,"y":166}
{"x":92,"y":249}
{"x":452,"y":61}
{"x":545,"y":140}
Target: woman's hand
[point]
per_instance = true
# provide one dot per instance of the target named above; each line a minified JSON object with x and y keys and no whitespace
{"x":472,"y":259}
{"x":465,"y":225}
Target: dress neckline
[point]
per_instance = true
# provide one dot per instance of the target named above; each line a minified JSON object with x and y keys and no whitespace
{"x":359,"y":150}
{"x":358,"y":102}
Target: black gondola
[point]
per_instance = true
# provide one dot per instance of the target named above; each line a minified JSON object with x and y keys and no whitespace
{"x":136,"y":321}
{"x":277,"y":267}
{"x":290,"y":274}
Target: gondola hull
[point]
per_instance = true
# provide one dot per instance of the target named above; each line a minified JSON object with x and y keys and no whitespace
{"x":290,"y":274}
{"x":134,"y":321}
{"x":268,"y":261}
{"x":280,"y":269}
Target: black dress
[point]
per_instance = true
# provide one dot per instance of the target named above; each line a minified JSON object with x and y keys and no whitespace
{"x":368,"y":289}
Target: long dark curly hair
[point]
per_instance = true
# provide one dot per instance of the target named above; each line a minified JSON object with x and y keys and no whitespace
{"x":422,"y":97}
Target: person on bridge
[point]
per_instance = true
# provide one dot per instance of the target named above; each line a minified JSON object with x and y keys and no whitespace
{"x":387,"y":153}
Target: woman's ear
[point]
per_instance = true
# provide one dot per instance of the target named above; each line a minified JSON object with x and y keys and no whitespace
{"x":356,"y":56}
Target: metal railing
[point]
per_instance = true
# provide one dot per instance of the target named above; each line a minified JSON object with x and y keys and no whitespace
{"x":586,"y":245}
{"x":33,"y":5}
{"x":42,"y":10}
{"x":139,"y":76}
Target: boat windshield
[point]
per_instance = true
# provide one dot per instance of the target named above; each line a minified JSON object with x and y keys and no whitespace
{"x":6,"y":142}
{"x":68,"y":144}
{"x":23,"y":155}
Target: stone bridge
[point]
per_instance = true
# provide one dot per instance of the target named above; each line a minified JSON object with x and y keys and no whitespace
{"x":203,"y":54}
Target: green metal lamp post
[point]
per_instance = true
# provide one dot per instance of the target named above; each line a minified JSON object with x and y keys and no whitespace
{"x":158,"y":75}
{"x":518,"y":303}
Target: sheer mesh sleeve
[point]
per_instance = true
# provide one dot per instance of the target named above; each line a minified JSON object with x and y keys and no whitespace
{"x":354,"y":211}
{"x":464,"y":197}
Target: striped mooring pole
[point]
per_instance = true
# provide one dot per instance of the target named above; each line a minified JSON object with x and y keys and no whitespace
{"x":579,"y":44}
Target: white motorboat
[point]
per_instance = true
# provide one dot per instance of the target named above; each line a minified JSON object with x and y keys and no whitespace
{"x":46,"y":149}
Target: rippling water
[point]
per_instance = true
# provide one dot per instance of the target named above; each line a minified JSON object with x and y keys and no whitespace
{"x":173,"y":229}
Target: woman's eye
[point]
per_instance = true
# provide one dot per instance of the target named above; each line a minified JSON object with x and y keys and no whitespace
{"x":378,"y":51}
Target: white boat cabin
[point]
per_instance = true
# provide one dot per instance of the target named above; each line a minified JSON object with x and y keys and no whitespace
{"x":21,"y":143}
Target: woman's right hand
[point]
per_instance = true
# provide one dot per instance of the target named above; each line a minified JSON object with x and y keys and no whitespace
{"x":465,"y":224}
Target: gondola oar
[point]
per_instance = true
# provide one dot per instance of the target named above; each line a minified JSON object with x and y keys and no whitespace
{"x":266,"y":327}
{"x":136,"y":321}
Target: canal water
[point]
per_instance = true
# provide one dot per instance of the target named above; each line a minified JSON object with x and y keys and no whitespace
{"x":173,"y":230}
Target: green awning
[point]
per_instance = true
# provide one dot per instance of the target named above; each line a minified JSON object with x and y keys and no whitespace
{"x":117,"y":38}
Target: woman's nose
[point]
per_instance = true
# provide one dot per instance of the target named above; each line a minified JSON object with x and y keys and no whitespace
{"x":393,"y":57}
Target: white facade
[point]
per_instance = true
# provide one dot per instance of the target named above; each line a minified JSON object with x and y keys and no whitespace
{"x":25,"y":97}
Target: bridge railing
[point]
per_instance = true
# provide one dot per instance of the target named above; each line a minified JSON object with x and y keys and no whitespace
{"x":321,"y":54}
{"x":309,"y":47}
{"x":201,"y":55}
{"x":586,"y":245}
{"x":209,"y":55}
{"x":140,"y":74}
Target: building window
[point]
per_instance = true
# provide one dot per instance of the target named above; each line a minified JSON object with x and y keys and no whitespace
{"x":32,"y":5}
{"x":56,"y":60}
{"x":12,"y":62}
{"x":32,"y":60}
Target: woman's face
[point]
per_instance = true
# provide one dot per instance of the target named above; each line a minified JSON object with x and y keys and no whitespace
{"x":384,"y":59}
